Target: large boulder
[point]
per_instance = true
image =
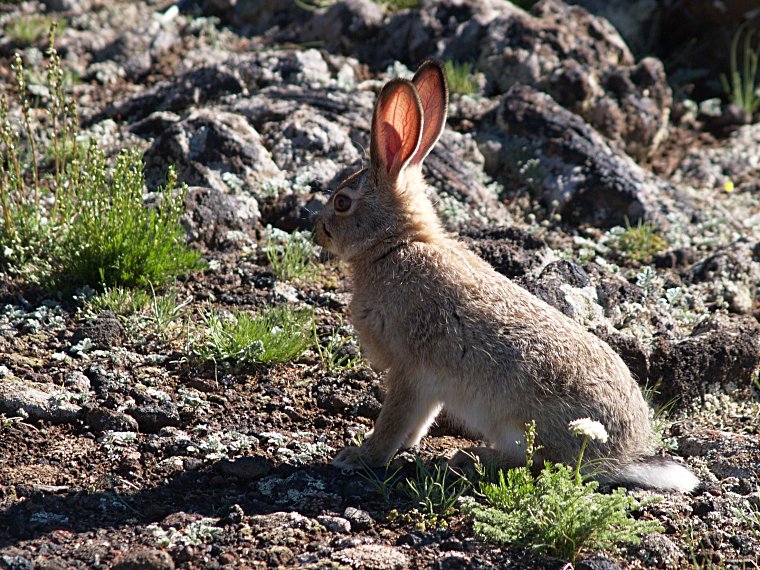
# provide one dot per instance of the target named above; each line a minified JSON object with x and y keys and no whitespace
{"x":571,"y":168}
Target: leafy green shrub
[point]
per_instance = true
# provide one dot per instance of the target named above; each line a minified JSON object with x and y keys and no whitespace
{"x":276,"y":334}
{"x":460,"y":77}
{"x":742,"y":84}
{"x":641,"y":241}
{"x":554,"y":512}
{"x":114,"y":239}
{"x":67,"y":219}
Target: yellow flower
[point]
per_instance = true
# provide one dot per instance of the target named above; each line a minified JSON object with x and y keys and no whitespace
{"x":728,"y":186}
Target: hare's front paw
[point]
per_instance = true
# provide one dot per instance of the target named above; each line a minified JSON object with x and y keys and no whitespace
{"x":349,"y":458}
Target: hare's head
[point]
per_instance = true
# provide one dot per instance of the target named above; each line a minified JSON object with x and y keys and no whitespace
{"x":386,"y":202}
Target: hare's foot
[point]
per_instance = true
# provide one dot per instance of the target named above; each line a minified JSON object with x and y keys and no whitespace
{"x":350,"y":458}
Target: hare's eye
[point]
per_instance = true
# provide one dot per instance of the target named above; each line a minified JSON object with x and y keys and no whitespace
{"x":342,"y":203}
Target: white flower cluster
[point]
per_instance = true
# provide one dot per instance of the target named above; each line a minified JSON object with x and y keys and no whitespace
{"x":590,"y":429}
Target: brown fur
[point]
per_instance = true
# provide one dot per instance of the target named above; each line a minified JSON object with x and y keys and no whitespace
{"x":451,"y":331}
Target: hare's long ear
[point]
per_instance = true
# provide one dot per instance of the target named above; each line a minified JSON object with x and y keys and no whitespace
{"x":432,"y":87}
{"x":396,"y":128}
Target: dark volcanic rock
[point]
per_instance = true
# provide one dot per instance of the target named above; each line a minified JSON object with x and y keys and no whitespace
{"x":105,"y":331}
{"x":152,"y":417}
{"x":211,"y":215}
{"x":571,"y":168}
{"x":245,"y":468}
{"x":102,"y":419}
{"x":583,"y":63}
{"x":212,"y":148}
{"x":145,"y":559}
{"x":512,"y":251}
{"x":724,"y":357}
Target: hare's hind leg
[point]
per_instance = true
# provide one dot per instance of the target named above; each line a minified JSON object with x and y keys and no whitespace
{"x":406,"y":414}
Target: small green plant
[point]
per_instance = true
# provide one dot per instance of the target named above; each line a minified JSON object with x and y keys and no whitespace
{"x":275,"y":334}
{"x":28,"y":29}
{"x":641,"y":241}
{"x":113,"y":239}
{"x":314,"y":5}
{"x":384,"y":484}
{"x":121,"y":300}
{"x":741,"y":85}
{"x":396,"y":5}
{"x":67,"y":219}
{"x":334,"y":350}
{"x":460,"y":77}
{"x":555,"y":512}
{"x":291,"y":256}
{"x":435,"y":489}
{"x":168,"y":309}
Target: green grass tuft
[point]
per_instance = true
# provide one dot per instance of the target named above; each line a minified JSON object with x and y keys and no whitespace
{"x":741,"y":85}
{"x":435,"y":489}
{"x":641,"y":241}
{"x":273,"y":335}
{"x":460,"y":77}
{"x":397,"y":5}
{"x":28,"y":29}
{"x":338,"y":350}
{"x":291,"y":256}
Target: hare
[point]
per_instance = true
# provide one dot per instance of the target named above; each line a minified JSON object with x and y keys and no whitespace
{"x":451,"y":331}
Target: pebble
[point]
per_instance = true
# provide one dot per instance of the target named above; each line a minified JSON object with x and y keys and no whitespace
{"x":102,"y":419}
{"x":335,"y":524}
{"x":36,"y":402}
{"x":245,"y":468}
{"x":145,"y":559}
{"x":359,"y":519}
{"x":372,"y":556}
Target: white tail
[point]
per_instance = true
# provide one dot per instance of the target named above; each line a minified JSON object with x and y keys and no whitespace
{"x":656,"y":473}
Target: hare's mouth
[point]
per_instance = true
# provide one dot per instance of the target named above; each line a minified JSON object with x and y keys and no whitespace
{"x":327,"y":233}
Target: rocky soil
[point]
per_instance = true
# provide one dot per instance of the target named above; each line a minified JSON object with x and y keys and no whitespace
{"x":117,"y":449}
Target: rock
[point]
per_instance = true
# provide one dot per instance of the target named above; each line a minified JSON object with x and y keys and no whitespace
{"x":145,"y":559}
{"x":659,"y":551}
{"x":214,"y":149}
{"x":597,"y":563}
{"x":211,"y":215}
{"x":11,"y":562}
{"x":582,"y":62}
{"x":731,"y":275}
{"x":359,"y":519}
{"x":245,"y":468}
{"x":372,"y":557}
{"x":151,"y":417}
{"x":736,"y":161}
{"x":105,"y":331}
{"x":76,"y":381}
{"x":43,"y":402}
{"x":102,"y":419}
{"x":725,"y":357}
{"x":363,"y":29}
{"x":512,"y":251}
{"x":107,"y":382}
{"x":571,"y":168}
{"x":193,"y":88}
{"x":335,"y":524}
{"x":567,"y":287}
